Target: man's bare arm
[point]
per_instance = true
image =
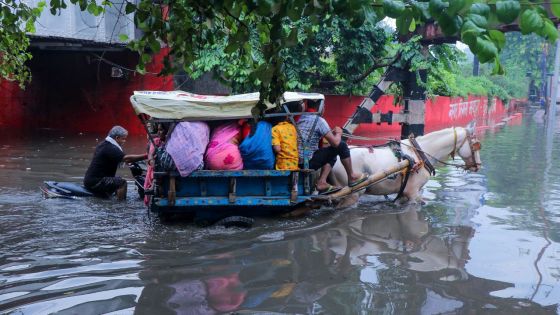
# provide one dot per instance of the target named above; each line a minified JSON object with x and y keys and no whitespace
{"x":130,"y":158}
{"x":334,"y":137}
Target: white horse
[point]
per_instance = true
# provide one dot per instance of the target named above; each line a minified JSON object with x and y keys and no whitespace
{"x":437,"y":146}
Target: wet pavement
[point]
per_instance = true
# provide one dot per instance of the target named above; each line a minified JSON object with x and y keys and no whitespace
{"x":484,"y":242}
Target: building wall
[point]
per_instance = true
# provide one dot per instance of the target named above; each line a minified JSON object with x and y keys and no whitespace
{"x":74,"y":92}
{"x":75,"y":24}
{"x":441,"y":112}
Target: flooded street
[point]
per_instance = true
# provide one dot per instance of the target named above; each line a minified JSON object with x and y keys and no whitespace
{"x":486,"y":242}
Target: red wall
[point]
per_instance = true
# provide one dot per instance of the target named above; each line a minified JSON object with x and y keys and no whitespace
{"x":74,"y":92}
{"x":12,"y":113}
{"x":441,"y":112}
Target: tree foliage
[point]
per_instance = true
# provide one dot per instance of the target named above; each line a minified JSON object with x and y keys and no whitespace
{"x":524,"y":54}
{"x":15,"y":17}
{"x":334,"y":57}
{"x":522,"y":59}
{"x":258,"y":41}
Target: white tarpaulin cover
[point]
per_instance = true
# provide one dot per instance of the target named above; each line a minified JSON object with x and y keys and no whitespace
{"x":189,"y":106}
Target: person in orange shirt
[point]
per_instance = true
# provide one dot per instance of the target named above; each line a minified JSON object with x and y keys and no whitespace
{"x":285,"y":145}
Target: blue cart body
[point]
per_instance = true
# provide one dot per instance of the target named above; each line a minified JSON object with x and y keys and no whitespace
{"x":243,"y":192}
{"x":219,"y":192}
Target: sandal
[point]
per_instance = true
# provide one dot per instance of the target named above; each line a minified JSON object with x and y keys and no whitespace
{"x":360,"y":180}
{"x":330,"y":190}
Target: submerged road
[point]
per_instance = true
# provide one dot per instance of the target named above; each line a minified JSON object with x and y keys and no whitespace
{"x":486,"y":242}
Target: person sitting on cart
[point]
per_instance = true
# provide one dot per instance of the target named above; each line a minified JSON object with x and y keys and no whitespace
{"x":285,"y":145}
{"x":100,"y":176}
{"x":324,"y":158}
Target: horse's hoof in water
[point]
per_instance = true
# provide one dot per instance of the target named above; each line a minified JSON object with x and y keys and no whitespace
{"x":402,"y":201}
{"x":348,"y":201}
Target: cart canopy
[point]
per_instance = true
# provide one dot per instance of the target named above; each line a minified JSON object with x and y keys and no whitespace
{"x":188,"y":106}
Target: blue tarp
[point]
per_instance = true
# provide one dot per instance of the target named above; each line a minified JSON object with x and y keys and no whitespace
{"x":256,"y":150}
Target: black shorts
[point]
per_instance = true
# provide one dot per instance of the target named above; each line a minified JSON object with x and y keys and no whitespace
{"x":107,"y":185}
{"x":328,"y":156}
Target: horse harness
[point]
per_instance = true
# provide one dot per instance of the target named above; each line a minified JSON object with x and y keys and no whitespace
{"x":397,"y":151}
{"x":423,"y":161}
{"x":474,"y":145}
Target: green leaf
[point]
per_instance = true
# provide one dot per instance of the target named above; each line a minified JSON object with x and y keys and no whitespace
{"x":480,"y":9}
{"x":30,"y":26}
{"x":450,"y":25}
{"x":485,"y":49}
{"x":154,"y":45}
{"x":507,"y":10}
{"x":129,"y":8}
{"x":145,"y":58}
{"x":92,"y":8}
{"x":232,"y":47}
{"x":555,"y":8}
{"x":469,"y":33}
{"x":141,"y":68}
{"x":478,"y":20}
{"x":123,"y":37}
{"x":456,"y":6}
{"x":549,"y":31}
{"x":422,"y":9}
{"x":436,"y":7}
{"x":403,"y":22}
{"x":530,"y":21}
{"x":412,"y":26}
{"x":498,"y":38}
{"x":393,"y":8}
{"x":498,"y":68}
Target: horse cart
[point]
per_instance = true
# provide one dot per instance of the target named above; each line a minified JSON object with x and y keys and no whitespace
{"x":209,"y":195}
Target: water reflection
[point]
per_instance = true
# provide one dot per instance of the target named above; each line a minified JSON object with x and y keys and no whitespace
{"x":383,"y":262}
{"x":482,"y":243}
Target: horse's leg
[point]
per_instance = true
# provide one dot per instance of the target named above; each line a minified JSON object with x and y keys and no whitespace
{"x":348,"y":201}
{"x":414,"y":186}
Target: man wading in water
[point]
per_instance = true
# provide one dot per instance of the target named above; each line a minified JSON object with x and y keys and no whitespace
{"x":100,"y":177}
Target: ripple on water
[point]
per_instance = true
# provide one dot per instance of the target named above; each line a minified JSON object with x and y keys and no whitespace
{"x":482,"y":231}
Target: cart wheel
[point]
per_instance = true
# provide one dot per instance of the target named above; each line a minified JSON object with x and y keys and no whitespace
{"x":238,"y":221}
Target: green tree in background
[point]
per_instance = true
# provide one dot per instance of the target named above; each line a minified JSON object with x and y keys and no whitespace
{"x":522,"y":62}
{"x":320,"y":60}
{"x":256,"y":33}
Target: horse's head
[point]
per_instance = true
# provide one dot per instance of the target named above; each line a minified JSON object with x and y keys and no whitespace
{"x":469,"y":149}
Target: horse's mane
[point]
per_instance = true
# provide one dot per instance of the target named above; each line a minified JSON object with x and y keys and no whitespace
{"x":438,"y":133}
{"x":433,"y":134}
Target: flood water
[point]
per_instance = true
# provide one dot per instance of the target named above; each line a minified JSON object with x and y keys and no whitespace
{"x":486,"y":242}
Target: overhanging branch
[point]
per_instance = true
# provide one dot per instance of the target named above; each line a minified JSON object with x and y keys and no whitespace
{"x":363,"y":76}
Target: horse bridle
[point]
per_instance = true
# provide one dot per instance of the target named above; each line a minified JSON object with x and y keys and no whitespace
{"x":474,"y":145}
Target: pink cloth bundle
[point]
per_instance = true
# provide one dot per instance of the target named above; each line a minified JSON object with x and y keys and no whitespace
{"x":222,"y":154}
{"x":187,"y":144}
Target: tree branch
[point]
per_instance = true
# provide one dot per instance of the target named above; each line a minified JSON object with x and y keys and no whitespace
{"x":364,"y":75}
